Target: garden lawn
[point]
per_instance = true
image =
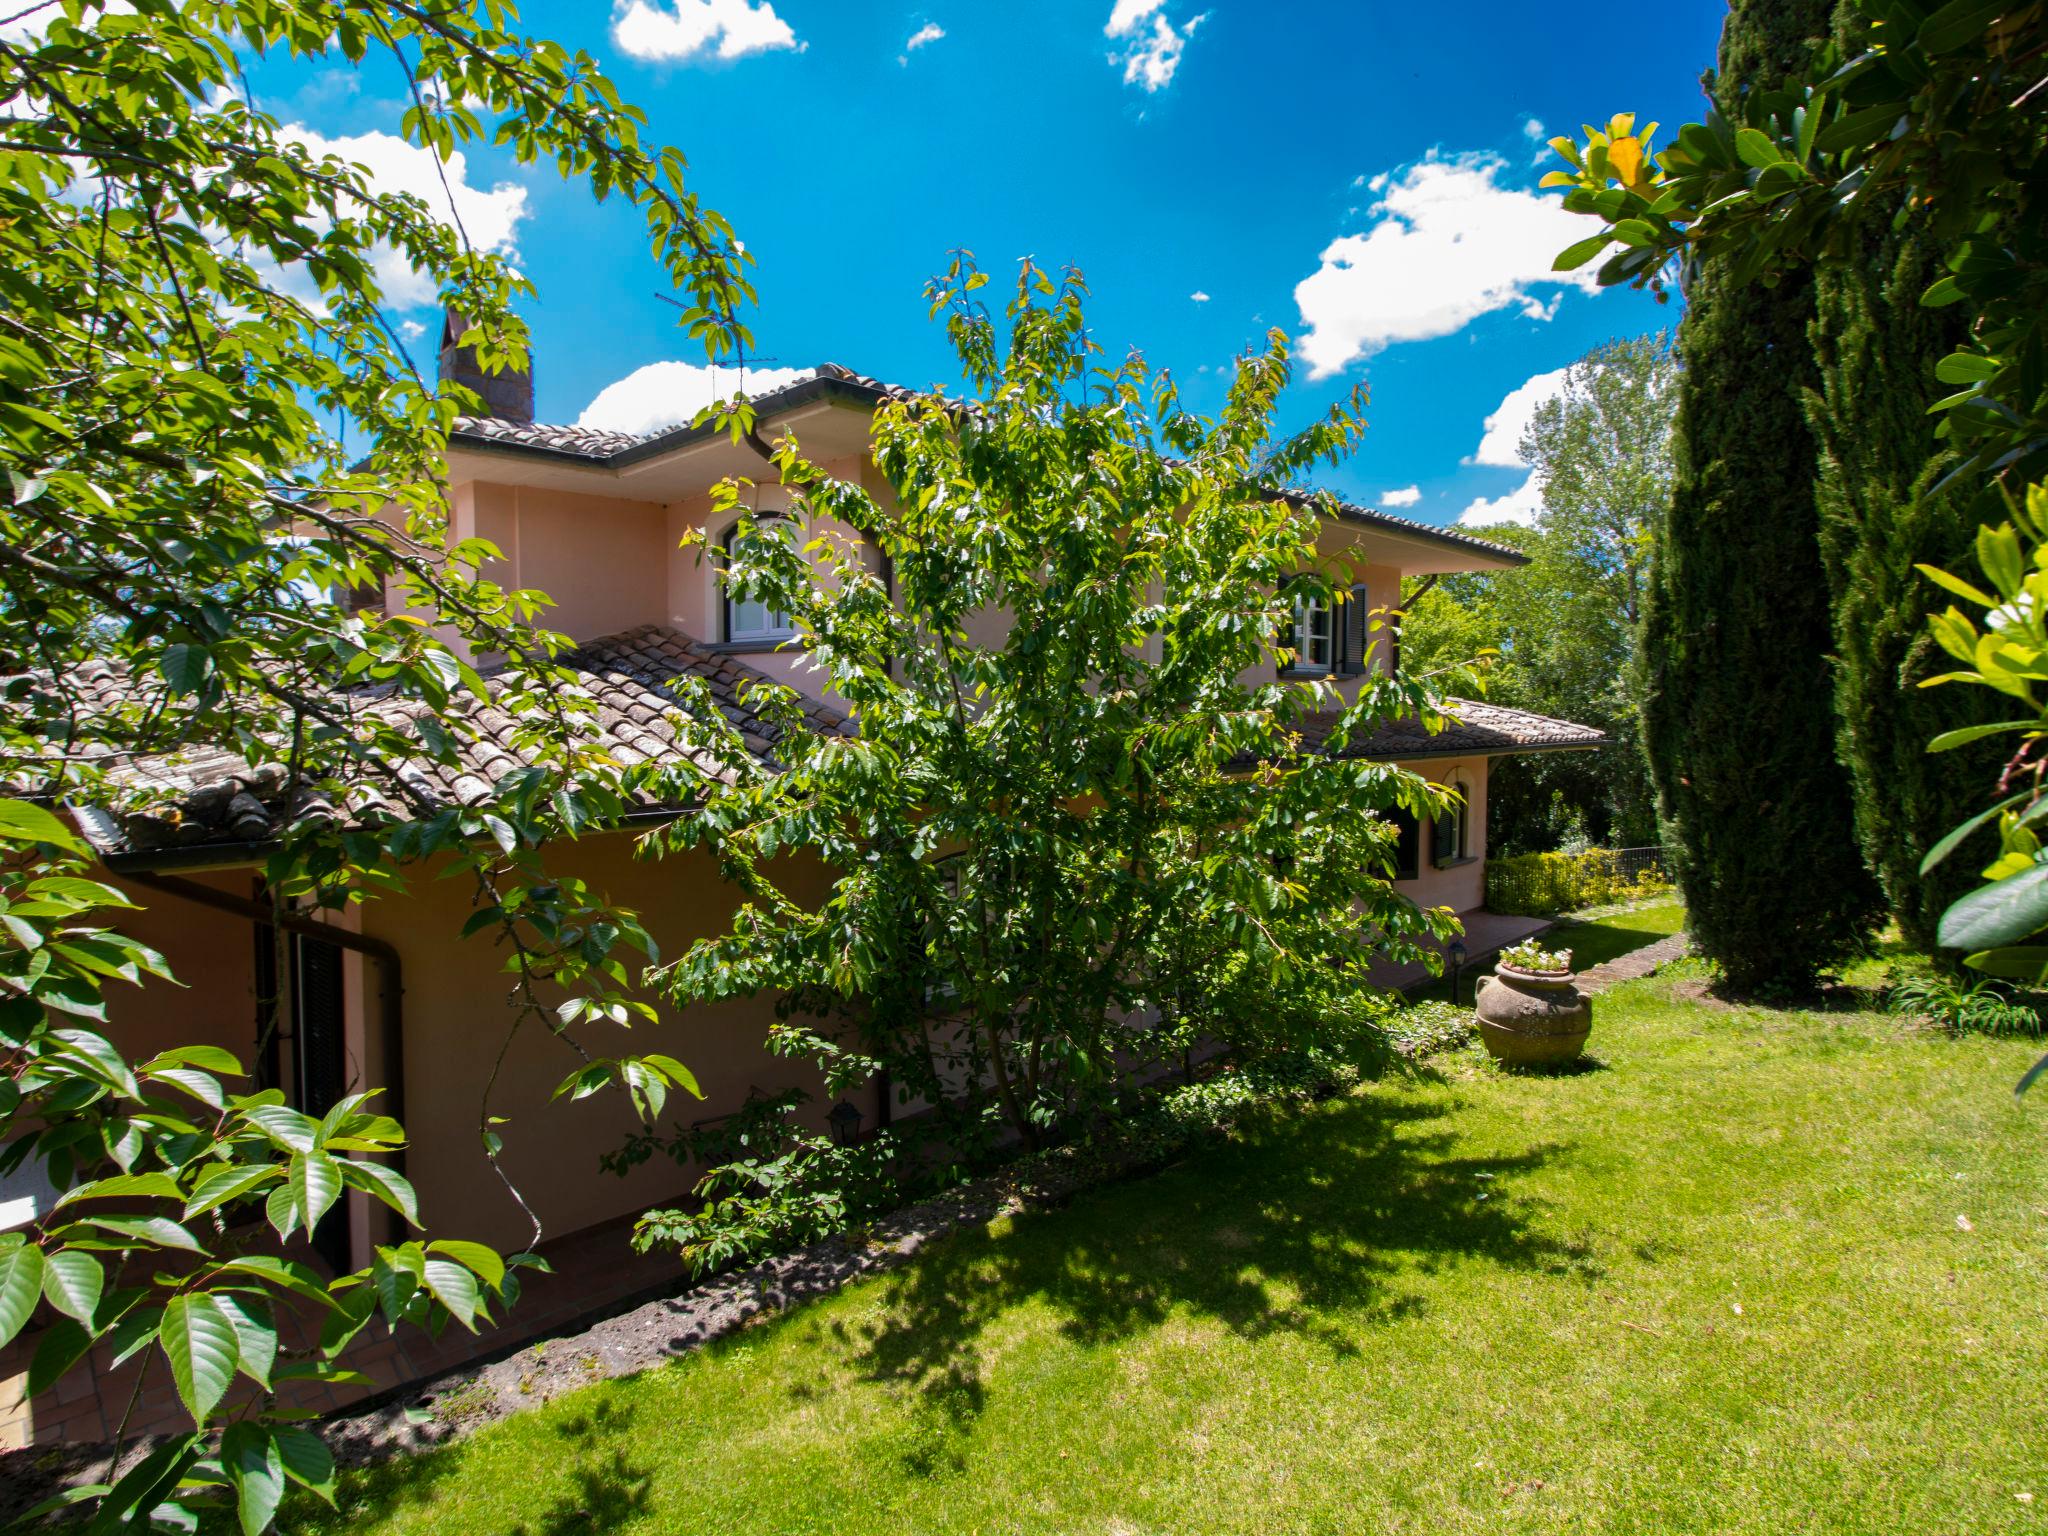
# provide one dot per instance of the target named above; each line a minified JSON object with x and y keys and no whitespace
{"x":1608,"y":937}
{"x":1755,"y":1271}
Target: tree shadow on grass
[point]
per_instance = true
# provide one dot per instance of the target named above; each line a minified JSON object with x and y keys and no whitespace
{"x":597,"y":1485}
{"x":1308,"y":1225}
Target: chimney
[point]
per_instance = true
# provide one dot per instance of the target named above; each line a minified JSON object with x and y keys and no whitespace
{"x":507,"y":396}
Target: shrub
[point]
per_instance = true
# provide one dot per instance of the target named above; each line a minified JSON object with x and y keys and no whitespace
{"x":1540,"y":884}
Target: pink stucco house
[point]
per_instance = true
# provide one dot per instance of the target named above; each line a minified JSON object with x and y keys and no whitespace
{"x":386,"y":993}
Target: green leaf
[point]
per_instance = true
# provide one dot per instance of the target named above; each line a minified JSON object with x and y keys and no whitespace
{"x":286,"y":1274}
{"x":255,"y":1337}
{"x":1955,"y":837}
{"x":1857,"y":129}
{"x":250,"y":1457}
{"x":124,"y":1186}
{"x":1757,"y":148}
{"x":1998,"y":914}
{"x":387,"y":1184}
{"x":455,"y":1288}
{"x":475,"y":1257}
{"x":21,"y":1282}
{"x":1959,"y":22}
{"x":63,"y":1344}
{"x":1576,"y":255}
{"x":228,"y":1181}
{"x":203,"y":1350}
{"x":21,"y":822}
{"x":72,"y":1282}
{"x":1948,"y":741}
{"x":1965,"y":368}
{"x":154,"y":1231}
{"x":208,"y":1058}
{"x":315,"y":1185}
{"x":307,"y":1461}
{"x":186,"y":668}
{"x":2020,"y":962}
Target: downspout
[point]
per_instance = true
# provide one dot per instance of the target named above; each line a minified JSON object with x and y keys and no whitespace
{"x":390,"y":970}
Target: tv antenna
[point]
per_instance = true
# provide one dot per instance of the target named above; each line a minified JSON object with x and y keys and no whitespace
{"x":745,"y":362}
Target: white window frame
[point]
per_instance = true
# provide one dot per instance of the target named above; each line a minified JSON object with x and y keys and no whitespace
{"x":774,"y":628}
{"x":1307,"y":612}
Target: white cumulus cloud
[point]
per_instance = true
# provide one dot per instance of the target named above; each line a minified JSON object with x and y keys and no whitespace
{"x":930,"y":32}
{"x":490,"y":217}
{"x":1199,"y":297}
{"x":1521,"y":505}
{"x":1151,"y":54}
{"x":1533,"y":127}
{"x":673,"y":31}
{"x":1407,"y":496}
{"x":1500,"y":441}
{"x":1447,"y":243}
{"x":669,"y":394}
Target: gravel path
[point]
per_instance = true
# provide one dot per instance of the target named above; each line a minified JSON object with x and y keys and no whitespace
{"x":1636,"y":963}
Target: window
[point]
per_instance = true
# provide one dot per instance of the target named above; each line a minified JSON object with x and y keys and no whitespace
{"x":748,"y":622}
{"x":1408,"y":849}
{"x":1447,"y":832}
{"x":1311,"y":636}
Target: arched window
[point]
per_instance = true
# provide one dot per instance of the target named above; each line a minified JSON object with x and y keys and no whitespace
{"x":1447,"y":830}
{"x":747,"y":620}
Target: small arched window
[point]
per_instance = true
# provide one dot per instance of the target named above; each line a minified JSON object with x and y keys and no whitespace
{"x":749,"y":621}
{"x":1447,"y":829}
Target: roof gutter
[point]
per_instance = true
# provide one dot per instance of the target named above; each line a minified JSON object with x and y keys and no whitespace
{"x":390,"y":969}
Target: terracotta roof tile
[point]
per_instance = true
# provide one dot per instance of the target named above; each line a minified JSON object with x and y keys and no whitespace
{"x":1476,"y":729}
{"x":205,"y":796}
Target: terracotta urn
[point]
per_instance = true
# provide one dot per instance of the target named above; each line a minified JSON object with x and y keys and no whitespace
{"x":1533,"y":1018}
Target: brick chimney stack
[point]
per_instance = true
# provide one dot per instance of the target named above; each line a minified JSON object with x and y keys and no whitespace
{"x":507,"y":396}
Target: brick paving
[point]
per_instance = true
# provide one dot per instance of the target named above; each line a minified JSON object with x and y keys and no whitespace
{"x":1635,"y":964}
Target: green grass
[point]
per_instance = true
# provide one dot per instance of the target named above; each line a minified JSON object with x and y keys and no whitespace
{"x":1715,"y":1282}
{"x":1601,"y":939}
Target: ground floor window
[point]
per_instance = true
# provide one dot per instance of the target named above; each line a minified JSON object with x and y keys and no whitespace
{"x":1447,"y":831}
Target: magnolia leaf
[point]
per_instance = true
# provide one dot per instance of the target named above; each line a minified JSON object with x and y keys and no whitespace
{"x":1996,"y":915}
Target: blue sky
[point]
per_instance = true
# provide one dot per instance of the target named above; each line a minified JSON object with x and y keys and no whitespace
{"x":1169,"y":149}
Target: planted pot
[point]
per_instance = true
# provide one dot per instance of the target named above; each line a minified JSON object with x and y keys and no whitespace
{"x":1533,"y":1018}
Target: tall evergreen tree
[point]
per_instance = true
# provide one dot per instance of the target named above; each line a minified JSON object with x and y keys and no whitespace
{"x":1737,"y":630}
{"x":1875,"y":346}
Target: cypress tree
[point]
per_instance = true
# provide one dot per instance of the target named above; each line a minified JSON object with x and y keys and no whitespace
{"x":1875,"y":346}
{"x":1737,"y":691}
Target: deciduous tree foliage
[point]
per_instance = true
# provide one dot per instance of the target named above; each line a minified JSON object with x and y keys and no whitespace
{"x":1565,"y":624}
{"x":188,"y":302}
{"x":1737,"y":688}
{"x":1069,"y":842}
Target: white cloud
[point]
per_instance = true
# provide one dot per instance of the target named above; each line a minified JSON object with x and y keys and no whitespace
{"x":673,"y":31}
{"x":490,"y":217}
{"x":411,"y":330}
{"x":1407,"y":496}
{"x":1199,"y":297}
{"x":1533,"y":127}
{"x":1500,"y":443}
{"x":1521,"y":505}
{"x":930,"y":32}
{"x":669,"y":394}
{"x":1125,"y":15}
{"x":1152,"y":54}
{"x":27,"y":22}
{"x":1448,"y":244}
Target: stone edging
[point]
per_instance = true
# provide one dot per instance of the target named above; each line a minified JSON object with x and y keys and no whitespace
{"x":1635,"y":964}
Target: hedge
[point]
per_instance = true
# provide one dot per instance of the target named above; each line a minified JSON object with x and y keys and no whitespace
{"x":1540,"y":884}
